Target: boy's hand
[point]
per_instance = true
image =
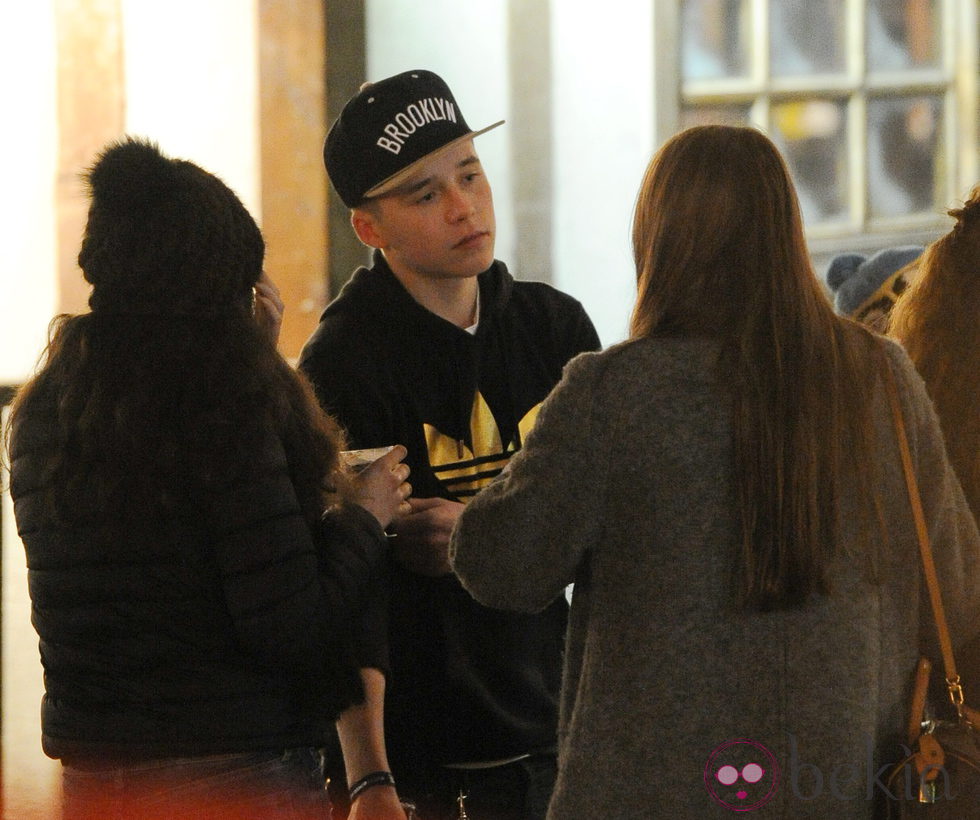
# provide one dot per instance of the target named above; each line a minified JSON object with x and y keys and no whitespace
{"x":422,"y":545}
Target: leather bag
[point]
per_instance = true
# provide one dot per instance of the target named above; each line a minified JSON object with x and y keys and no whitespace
{"x":939,"y":775}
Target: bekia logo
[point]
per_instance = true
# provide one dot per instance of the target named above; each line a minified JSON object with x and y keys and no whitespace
{"x":741,"y":775}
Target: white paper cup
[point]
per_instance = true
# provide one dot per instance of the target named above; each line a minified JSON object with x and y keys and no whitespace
{"x":357,"y":460}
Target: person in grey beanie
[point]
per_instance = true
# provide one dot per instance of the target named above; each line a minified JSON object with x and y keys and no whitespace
{"x":866,"y":287}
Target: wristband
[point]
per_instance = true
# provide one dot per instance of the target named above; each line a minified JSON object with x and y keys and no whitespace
{"x":369,"y":781}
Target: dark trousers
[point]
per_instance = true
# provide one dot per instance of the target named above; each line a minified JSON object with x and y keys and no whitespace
{"x":516,"y":791}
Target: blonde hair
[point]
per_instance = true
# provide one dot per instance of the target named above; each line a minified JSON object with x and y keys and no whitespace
{"x":938,"y":322}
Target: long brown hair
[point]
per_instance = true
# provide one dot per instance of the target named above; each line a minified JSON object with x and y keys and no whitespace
{"x":720,"y":252}
{"x":938,"y":322}
{"x":143,"y":413}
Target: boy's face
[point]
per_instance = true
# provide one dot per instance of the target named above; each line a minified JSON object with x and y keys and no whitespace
{"x":438,"y":224}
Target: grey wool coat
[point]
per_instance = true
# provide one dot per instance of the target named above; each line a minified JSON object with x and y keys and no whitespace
{"x":675,"y":704}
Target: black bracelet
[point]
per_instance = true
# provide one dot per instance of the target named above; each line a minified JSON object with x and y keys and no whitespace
{"x":368,"y":781}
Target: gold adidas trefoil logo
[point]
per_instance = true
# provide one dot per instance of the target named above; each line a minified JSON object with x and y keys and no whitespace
{"x":465,"y":471}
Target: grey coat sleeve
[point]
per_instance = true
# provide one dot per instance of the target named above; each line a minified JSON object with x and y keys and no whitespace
{"x":519,"y":543}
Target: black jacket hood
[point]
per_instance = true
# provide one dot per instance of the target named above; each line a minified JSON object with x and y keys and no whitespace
{"x":377,"y":291}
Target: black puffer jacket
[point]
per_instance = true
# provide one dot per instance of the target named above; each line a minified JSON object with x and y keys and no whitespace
{"x":227,"y":627}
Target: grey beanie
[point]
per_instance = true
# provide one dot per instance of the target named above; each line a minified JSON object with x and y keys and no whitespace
{"x":859,"y":282}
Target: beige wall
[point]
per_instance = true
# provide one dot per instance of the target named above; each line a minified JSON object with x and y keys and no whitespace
{"x":294,"y":183}
{"x":90,"y":111}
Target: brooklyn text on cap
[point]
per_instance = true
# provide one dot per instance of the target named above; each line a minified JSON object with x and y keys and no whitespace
{"x":387,"y":128}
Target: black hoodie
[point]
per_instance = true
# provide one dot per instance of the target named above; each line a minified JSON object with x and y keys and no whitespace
{"x":467,"y":683}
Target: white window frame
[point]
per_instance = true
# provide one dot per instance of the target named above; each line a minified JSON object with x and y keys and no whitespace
{"x":956,"y":80}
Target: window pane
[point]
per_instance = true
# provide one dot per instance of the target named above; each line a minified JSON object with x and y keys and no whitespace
{"x":807,"y":37}
{"x":903,"y":34}
{"x":811,"y":134}
{"x":715,"y":36}
{"x":905,"y":155}
{"x":715,"y":115}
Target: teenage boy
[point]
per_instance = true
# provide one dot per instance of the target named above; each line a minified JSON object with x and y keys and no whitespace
{"x":437,"y":347}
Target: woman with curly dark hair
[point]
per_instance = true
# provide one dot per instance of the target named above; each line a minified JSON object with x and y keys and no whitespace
{"x":937,"y":320}
{"x":202,"y":619}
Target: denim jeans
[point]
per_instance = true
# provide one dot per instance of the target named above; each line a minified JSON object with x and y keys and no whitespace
{"x":286,"y":785}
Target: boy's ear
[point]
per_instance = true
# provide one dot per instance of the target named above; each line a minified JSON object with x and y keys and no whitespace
{"x":366,"y":227}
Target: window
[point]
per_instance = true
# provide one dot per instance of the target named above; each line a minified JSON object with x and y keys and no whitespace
{"x":869,"y":101}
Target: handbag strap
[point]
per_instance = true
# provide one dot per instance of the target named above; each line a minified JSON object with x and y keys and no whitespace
{"x":925,"y":548}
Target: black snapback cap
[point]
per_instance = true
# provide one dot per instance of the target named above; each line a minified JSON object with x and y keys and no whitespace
{"x":386,"y":128}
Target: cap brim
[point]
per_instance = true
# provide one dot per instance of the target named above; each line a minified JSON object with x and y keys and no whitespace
{"x":391,"y":183}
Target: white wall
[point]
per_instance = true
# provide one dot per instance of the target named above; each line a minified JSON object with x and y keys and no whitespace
{"x":604,"y":132}
{"x":191,"y":72}
{"x":28,"y":295}
{"x":465,"y":43}
{"x":602,"y":123}
{"x":28,"y":144}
